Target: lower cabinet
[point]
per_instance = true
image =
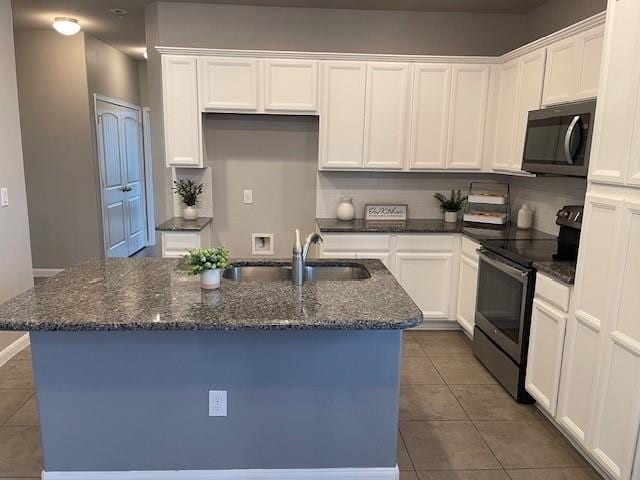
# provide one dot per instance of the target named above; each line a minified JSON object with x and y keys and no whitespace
{"x":467,"y":285}
{"x":176,"y":244}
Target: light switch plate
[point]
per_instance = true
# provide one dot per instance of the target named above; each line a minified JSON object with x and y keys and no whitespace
{"x":217,"y":403}
{"x":4,"y":197}
{"x":248,"y":197}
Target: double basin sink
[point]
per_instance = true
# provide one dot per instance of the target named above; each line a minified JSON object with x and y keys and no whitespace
{"x":283,"y":273}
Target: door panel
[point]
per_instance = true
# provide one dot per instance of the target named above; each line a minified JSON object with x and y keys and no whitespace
{"x":467,"y":292}
{"x":228,"y":84}
{"x":291,"y":85}
{"x":560,"y":75}
{"x":116,"y":230}
{"x":507,"y":114}
{"x":590,"y":61}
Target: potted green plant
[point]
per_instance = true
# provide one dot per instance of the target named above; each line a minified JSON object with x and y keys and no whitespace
{"x":451,"y":205}
{"x":188,"y":191}
{"x":209,"y":264}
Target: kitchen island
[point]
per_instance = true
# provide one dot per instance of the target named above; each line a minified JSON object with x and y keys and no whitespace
{"x":126,"y":352}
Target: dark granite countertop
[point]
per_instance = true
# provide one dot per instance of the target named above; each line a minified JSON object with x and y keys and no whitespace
{"x":158,"y":294}
{"x":179,"y":224}
{"x":564,"y":272}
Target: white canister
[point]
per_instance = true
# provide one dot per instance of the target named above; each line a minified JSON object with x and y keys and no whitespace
{"x":345,"y":211}
{"x":525,"y":217}
{"x":210,"y":279}
{"x":190,"y":213}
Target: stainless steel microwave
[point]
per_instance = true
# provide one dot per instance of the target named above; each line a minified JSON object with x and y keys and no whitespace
{"x":558,"y":139}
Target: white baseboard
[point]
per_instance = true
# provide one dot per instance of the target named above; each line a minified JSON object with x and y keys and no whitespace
{"x":13,"y":349}
{"x":436,"y":325}
{"x":283,"y":474}
{"x":46,"y":272}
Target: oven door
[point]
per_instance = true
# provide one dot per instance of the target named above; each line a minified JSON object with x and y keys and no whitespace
{"x":503,"y":311}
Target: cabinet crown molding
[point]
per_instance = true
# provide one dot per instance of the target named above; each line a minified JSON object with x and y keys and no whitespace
{"x":567,"y":32}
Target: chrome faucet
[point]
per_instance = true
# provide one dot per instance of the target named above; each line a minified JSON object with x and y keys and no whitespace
{"x":300,"y":253}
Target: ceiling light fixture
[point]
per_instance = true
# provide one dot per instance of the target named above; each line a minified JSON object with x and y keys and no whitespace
{"x":119,"y":12}
{"x":66,"y":25}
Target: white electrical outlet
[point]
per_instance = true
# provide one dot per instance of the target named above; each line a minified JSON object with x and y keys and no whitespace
{"x":248,"y":197}
{"x":217,"y":403}
{"x":4,"y":197}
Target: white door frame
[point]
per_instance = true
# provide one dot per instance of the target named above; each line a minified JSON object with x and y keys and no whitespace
{"x":121,"y":103}
{"x":148,"y":176}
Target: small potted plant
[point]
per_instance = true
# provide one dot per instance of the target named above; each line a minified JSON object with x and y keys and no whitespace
{"x":452,"y":205}
{"x":208,"y":263}
{"x":189,"y":191}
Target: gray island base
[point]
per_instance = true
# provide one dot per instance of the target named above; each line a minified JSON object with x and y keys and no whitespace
{"x":127,"y":397}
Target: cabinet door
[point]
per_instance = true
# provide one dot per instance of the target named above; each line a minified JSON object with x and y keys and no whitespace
{"x":560,"y":74}
{"x":590,"y":60}
{"x":617,"y":417}
{"x":427,"y":278}
{"x":530,"y":98}
{"x":544,"y":361}
{"x":228,"y":84}
{"x":429,"y":116}
{"x":182,"y":122}
{"x":507,"y":114}
{"x":342,"y":114}
{"x":467,"y":292}
{"x":584,"y":327}
{"x":386,"y":115}
{"x":290,"y":85}
{"x":469,"y":92}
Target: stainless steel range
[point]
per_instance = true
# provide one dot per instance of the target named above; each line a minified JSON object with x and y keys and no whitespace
{"x":506,"y":284}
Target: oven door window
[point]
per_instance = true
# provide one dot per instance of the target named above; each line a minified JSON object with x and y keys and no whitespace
{"x":500,"y":301}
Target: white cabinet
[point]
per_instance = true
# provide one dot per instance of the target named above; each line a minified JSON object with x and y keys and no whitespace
{"x":176,"y":244}
{"x":228,"y":84}
{"x":546,"y":342}
{"x":429,"y":116}
{"x":342,"y":114}
{"x":467,"y":285}
{"x":290,"y":85}
{"x":467,"y":114}
{"x":385,"y":115}
{"x":182,"y":122}
{"x":573,"y":68}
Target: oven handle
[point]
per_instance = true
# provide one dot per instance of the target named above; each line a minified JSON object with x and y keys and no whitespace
{"x":567,"y":139}
{"x":516,"y":273}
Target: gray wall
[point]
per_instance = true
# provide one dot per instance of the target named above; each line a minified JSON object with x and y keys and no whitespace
{"x":296,"y":399}
{"x":15,"y":259}
{"x":276,"y":157}
{"x":57,"y":77}
{"x":557,"y":14}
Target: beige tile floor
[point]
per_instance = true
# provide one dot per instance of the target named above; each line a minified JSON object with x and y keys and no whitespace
{"x":456,"y":423}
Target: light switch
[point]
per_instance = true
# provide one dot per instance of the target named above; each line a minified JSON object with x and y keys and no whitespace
{"x":248,"y":197}
{"x":4,"y":197}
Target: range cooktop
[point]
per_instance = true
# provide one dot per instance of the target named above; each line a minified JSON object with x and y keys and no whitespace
{"x":526,"y":252}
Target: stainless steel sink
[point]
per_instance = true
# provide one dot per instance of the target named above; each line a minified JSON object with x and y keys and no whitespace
{"x":283,"y":273}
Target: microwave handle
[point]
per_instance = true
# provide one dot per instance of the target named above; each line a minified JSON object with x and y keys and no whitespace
{"x":567,"y":139}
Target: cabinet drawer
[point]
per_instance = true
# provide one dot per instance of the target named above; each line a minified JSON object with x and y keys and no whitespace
{"x":355,"y":242}
{"x":180,"y":243}
{"x":553,"y":292}
{"x":425,"y":243}
{"x":469,"y":248}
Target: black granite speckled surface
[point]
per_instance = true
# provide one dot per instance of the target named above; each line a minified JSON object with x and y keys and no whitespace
{"x":565,"y":272}
{"x":179,"y":224}
{"x":158,"y":294}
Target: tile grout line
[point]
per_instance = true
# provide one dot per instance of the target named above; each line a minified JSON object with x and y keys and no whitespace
{"x":16,"y":412}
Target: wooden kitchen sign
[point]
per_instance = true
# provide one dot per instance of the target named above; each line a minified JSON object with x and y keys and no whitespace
{"x":385,"y":211}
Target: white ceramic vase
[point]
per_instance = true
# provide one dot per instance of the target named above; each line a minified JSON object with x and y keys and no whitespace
{"x":345,"y":211}
{"x":190,"y":213}
{"x":450,"y":217}
{"x":210,"y":279}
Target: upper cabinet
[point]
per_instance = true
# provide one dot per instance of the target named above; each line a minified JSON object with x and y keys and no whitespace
{"x":228,"y":84}
{"x":290,"y":85}
{"x":385,"y":117}
{"x":573,"y":68}
{"x":341,"y":141}
{"x":182,"y":122}
{"x":469,"y":93}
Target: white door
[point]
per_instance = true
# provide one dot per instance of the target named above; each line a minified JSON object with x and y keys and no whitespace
{"x":584,"y":326}
{"x":342,"y":114}
{"x":590,"y":61}
{"x":228,"y":84}
{"x":121,"y":160}
{"x":507,"y":114}
{"x":467,"y":293}
{"x":469,"y":94}
{"x":386,"y":115}
{"x":429,"y":116}
{"x":427,"y":278}
{"x":544,"y":361}
{"x":617,"y":417}
{"x":560,"y":75}
{"x":290,"y":85}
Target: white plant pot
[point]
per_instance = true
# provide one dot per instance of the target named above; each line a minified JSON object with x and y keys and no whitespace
{"x":450,"y":217}
{"x":210,"y":279}
{"x":190,"y":213}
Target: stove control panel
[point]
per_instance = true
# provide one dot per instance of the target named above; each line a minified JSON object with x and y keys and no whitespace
{"x":570,"y":216}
